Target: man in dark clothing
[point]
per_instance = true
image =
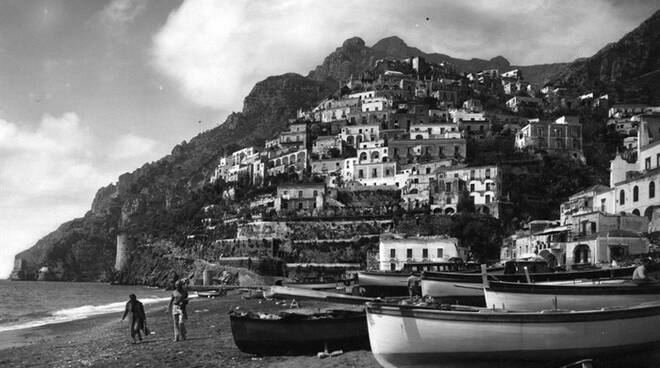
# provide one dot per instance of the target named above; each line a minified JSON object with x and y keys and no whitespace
{"x":137,"y":317}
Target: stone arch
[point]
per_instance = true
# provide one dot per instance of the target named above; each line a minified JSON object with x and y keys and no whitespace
{"x":581,"y":253}
{"x":278,"y":162}
{"x":413,"y":191}
{"x":437,"y":210}
{"x":549,"y":257}
{"x":359,"y":139}
{"x":350,"y":139}
{"x":285,"y":160}
{"x":649,"y":212}
{"x":419,"y":137}
{"x":635,"y":212}
{"x":375,"y":155}
{"x":449,"y":211}
{"x":363,"y":156}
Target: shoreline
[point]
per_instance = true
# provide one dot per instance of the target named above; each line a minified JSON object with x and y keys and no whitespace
{"x":103,"y":341}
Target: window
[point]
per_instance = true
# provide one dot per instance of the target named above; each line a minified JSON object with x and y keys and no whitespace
{"x":428,"y":170}
{"x":392,"y":253}
{"x":487,"y":198}
{"x":392,"y":266}
{"x":647,"y":163}
{"x":652,"y":189}
{"x":447,"y":187}
{"x":657,"y":160}
{"x":471,"y":187}
{"x":593,"y":227}
{"x":602,"y":205}
{"x":487,"y":186}
{"x":316,"y":193}
{"x":487,"y":173}
{"x":622,"y":197}
{"x":300,"y":194}
{"x":408,"y":253}
{"x":448,"y":200}
{"x":361,"y":174}
{"x":440,"y":251}
{"x":300,"y":206}
{"x":374,"y":173}
{"x":635,"y":193}
{"x":425,"y":253}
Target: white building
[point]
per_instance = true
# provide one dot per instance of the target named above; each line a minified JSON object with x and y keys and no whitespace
{"x":395,"y":251}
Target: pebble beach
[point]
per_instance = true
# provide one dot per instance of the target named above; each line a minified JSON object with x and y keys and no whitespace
{"x":103,"y":341}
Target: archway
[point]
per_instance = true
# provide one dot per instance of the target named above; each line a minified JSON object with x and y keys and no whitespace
{"x":349,"y":139}
{"x":581,"y":254}
{"x":549,"y":257}
{"x":449,"y":211}
{"x":635,"y":212}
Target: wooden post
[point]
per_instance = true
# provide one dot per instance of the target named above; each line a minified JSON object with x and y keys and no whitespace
{"x":484,"y":276}
{"x":529,"y":279}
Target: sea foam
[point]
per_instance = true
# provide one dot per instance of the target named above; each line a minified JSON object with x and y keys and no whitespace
{"x":72,"y":314}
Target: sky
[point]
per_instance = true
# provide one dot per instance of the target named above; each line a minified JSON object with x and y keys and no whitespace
{"x":90,"y":89}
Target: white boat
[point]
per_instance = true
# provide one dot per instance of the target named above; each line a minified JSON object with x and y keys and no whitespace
{"x":441,"y":284}
{"x":577,"y":296}
{"x":410,"y":336}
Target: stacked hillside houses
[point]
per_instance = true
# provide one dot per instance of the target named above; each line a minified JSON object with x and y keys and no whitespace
{"x":404,"y":126}
{"x":601,"y":224}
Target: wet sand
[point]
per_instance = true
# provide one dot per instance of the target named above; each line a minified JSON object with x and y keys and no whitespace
{"x":103,"y":341}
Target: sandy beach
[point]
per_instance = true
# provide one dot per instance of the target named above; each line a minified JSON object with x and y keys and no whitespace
{"x":103,"y":341}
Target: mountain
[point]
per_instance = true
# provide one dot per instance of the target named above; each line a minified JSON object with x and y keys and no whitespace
{"x":157,"y":199}
{"x":157,"y":204}
{"x":354,"y":57}
{"x":629,"y":69}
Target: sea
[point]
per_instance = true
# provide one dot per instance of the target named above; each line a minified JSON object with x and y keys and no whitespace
{"x":26,"y":304}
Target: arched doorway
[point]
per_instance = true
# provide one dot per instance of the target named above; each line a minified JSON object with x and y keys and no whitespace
{"x":549,"y":257}
{"x":581,"y":254}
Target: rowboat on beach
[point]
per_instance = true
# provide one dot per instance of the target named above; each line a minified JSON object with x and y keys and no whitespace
{"x":442,"y":284}
{"x":299,"y":331}
{"x":454,"y":336}
{"x":574,"y":296}
{"x":211,"y":293}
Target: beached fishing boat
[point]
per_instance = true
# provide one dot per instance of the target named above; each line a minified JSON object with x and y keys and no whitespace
{"x":442,"y":284}
{"x":394,"y":283}
{"x":412,"y":336}
{"x":578,"y":296}
{"x":211,"y":293}
{"x":299,"y":331}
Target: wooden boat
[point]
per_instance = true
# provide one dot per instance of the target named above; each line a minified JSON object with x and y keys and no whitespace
{"x":395,"y":283}
{"x":318,"y":283}
{"x":412,"y":336}
{"x":579,"y":296}
{"x":211,"y":293}
{"x":297,"y":332}
{"x":442,"y":284}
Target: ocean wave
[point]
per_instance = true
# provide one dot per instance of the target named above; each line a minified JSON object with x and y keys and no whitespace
{"x":72,"y":314}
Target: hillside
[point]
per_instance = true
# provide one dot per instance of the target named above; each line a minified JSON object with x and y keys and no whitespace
{"x":628,"y":69}
{"x":158,"y":204}
{"x":354,"y":57}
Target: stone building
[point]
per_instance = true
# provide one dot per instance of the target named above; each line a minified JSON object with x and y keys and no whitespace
{"x":395,"y":251}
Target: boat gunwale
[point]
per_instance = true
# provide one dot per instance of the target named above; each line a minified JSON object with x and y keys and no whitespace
{"x":499,"y":316}
{"x":567,"y":289}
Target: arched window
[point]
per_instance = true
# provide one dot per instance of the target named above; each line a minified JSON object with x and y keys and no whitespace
{"x":635,"y":193}
{"x":622,"y":197}
{"x":652,"y":189}
{"x":635,"y":212}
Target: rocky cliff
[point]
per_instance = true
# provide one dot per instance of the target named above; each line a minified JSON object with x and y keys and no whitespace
{"x":354,"y":57}
{"x":629,"y":69}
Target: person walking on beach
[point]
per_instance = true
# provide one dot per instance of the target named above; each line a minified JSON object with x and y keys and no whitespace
{"x":137,"y":317}
{"x":177,"y":306}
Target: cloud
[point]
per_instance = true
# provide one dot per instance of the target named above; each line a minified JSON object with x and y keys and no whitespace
{"x":49,"y":174}
{"x":133,"y":146}
{"x":119,"y":14}
{"x":123,"y":11}
{"x":217,"y":50}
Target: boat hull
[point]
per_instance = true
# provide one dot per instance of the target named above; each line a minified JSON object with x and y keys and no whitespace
{"x":419,"y":337}
{"x":442,"y":284}
{"x":534,"y":297}
{"x":300,"y":334}
{"x":377,"y":284}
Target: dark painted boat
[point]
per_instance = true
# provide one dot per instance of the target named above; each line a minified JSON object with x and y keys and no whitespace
{"x":292,"y":333}
{"x":443,"y":284}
